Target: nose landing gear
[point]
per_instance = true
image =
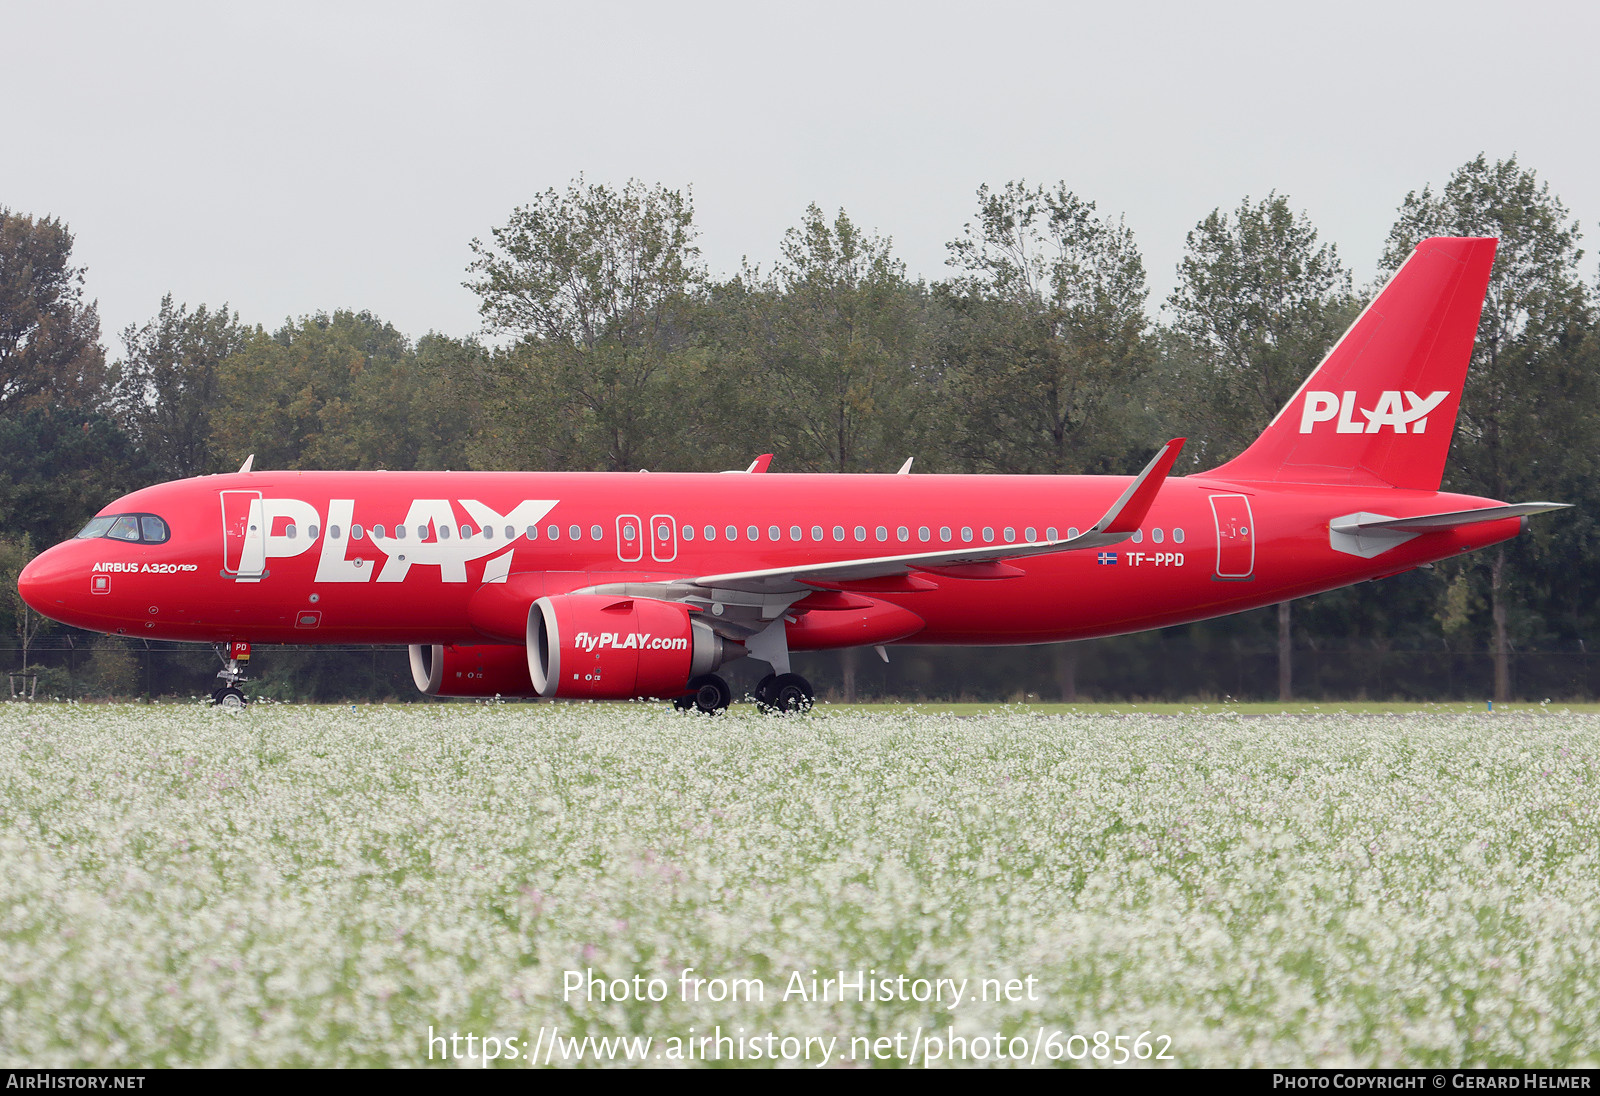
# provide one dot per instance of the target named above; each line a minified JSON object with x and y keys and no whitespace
{"x":228,"y":694}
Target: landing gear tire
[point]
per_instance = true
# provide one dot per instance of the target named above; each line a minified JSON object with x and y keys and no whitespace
{"x":708,"y":694}
{"x":229,"y":698}
{"x":785,"y":693}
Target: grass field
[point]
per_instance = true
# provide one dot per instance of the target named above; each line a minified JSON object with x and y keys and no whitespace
{"x":321,"y":886}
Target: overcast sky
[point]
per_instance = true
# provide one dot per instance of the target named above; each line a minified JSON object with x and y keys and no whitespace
{"x":288,"y":158}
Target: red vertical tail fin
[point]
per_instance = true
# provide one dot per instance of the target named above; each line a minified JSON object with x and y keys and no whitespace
{"x":1380,"y":409}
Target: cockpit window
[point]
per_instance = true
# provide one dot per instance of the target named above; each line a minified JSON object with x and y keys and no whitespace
{"x":96,"y":528}
{"x":130,"y":527}
{"x":125,"y":527}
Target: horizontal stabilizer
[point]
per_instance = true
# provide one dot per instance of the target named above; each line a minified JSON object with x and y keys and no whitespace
{"x":1370,"y":535}
{"x":1428,"y":523}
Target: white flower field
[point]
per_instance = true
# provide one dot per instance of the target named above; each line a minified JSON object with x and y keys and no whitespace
{"x":321,"y":886}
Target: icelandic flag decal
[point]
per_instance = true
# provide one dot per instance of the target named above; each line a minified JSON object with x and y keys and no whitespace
{"x":1107,"y":557}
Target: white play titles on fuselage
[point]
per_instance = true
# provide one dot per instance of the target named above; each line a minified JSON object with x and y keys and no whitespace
{"x":352,"y":558}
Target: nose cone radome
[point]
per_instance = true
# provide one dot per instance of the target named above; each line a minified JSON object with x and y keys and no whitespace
{"x":30,"y":586}
{"x":42,"y":582}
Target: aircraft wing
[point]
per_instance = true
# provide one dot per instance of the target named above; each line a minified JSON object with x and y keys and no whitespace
{"x":979,"y":561}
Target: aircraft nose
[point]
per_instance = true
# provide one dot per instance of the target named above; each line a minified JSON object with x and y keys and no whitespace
{"x":41,"y":582}
{"x":30,"y":585}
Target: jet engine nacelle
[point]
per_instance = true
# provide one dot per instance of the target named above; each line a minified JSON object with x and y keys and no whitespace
{"x":485,"y":670}
{"x":603,"y":647}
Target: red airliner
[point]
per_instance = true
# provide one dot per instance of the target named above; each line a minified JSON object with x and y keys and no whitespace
{"x":615,"y":585}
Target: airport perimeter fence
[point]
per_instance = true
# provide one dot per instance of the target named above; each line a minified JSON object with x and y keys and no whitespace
{"x":1151,"y":666}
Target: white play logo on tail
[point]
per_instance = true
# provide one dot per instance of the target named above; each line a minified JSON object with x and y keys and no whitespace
{"x":1413,"y":419}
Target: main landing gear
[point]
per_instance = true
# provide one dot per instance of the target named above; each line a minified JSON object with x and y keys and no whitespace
{"x":708,"y":694}
{"x":785,"y":693}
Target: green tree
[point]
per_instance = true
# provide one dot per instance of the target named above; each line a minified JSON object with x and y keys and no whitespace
{"x":1259,"y":301}
{"x":25,"y":623}
{"x":58,"y":466}
{"x":1526,"y":427}
{"x":295,"y":397}
{"x":596,"y":285}
{"x":837,"y":341}
{"x":1044,"y":349}
{"x":167,"y":386}
{"x":50,"y":353}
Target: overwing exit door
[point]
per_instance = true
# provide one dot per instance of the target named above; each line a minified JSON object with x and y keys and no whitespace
{"x":663,"y":538}
{"x":630,"y":539}
{"x":1236,"y":537}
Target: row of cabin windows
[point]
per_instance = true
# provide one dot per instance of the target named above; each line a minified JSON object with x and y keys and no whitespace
{"x":753,"y":532}
{"x":902,"y":533}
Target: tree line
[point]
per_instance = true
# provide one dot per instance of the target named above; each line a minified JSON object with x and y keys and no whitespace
{"x":608,"y":345}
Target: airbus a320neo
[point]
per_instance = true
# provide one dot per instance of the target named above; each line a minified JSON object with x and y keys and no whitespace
{"x":615,"y":585}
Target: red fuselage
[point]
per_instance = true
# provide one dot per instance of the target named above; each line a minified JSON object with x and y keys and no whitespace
{"x":1207,"y":547}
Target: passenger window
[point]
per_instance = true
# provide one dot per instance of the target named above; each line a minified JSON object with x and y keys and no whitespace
{"x":988,"y":534}
{"x":711,"y":532}
{"x":553,"y":532}
{"x":311,"y":531}
{"x":922,"y":533}
{"x":155,"y":530}
{"x":944,"y":532}
{"x":861,"y":533}
{"x":488,"y":532}
{"x":816,"y":532}
{"x":1030,"y":534}
{"x":125,"y":527}
{"x":399,"y":532}
{"x":838,"y":532}
{"x":333,"y":531}
{"x":1050,"y":533}
{"x":966,"y":533}
{"x":597,"y":533}
{"x":1177,"y":536}
{"x":511,"y":532}
{"x":795,"y":532}
{"x":291,"y":532}
{"x":688,"y":532}
{"x":1010,"y":534}
{"x":882,"y":533}
{"x":444,"y":532}
{"x":1138,"y":536}
{"x":356,"y":532}
{"x":575,"y":532}
{"x":753,"y":533}
{"x":1071,"y":533}
{"x":903,"y":533}
{"x":531,"y":532}
{"x":733,"y":532}
{"x":774,"y":533}
{"x":377,"y":532}
{"x":1155,"y":536}
{"x":467,"y":532}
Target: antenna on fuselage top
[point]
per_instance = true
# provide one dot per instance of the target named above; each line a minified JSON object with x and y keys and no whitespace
{"x":248,"y":461}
